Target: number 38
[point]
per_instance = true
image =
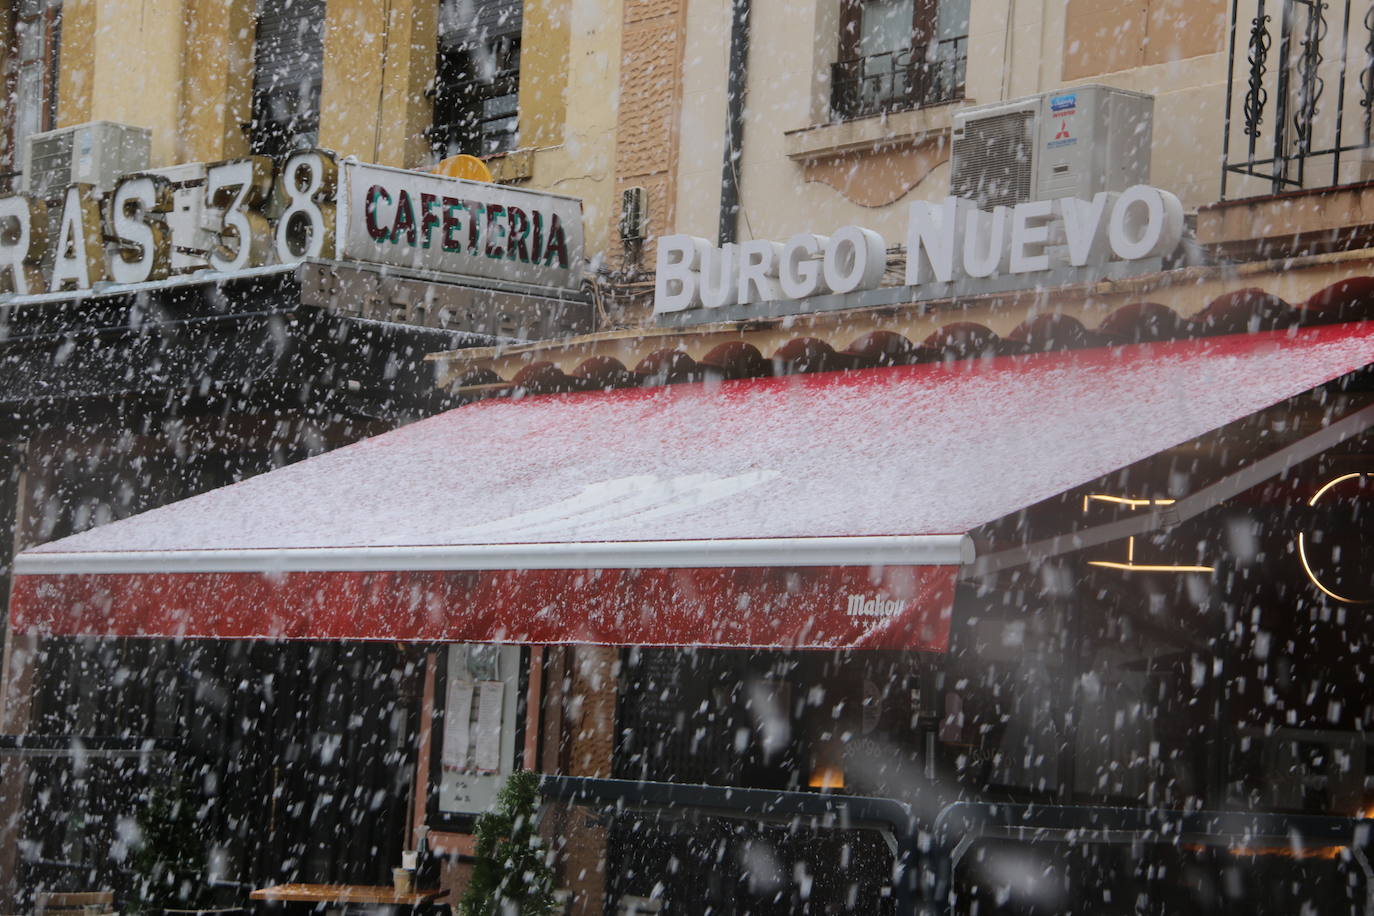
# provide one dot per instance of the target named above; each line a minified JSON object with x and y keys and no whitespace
{"x":305,"y":188}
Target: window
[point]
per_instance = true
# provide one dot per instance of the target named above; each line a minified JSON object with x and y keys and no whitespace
{"x":37,"y":32}
{"x":477,"y":79}
{"x":289,"y":65}
{"x":899,"y":54}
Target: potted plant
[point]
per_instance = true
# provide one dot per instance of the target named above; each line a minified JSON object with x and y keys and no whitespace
{"x":169,"y":861}
{"x":512,"y":873}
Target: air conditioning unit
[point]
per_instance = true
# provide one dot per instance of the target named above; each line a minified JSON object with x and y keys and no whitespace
{"x":634,"y":214}
{"x":95,"y":153}
{"x":1068,"y":143}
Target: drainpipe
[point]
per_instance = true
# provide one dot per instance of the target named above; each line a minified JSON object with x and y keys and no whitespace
{"x":734,"y":121}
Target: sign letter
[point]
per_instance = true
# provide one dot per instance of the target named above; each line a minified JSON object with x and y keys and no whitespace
{"x":677,"y":280}
{"x":1146,"y":223}
{"x":240,"y":188}
{"x":79,"y":260}
{"x":306,"y":228}
{"x":931,"y":235}
{"x":142,"y":246}
{"x":800,"y":270}
{"x":23,"y":237}
{"x":855,"y":259}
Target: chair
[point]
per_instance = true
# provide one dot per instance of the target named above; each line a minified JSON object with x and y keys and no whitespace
{"x":85,"y":903}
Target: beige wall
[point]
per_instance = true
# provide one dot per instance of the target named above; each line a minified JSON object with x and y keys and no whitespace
{"x":569,"y":87}
{"x":181,"y":68}
{"x":1171,"y":49}
{"x":378,"y":112}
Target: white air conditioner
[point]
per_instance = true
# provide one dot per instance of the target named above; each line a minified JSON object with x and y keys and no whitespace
{"x":1068,"y":143}
{"x":94,"y":153}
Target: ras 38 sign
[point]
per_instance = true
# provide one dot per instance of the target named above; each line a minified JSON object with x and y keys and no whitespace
{"x":311,"y":206}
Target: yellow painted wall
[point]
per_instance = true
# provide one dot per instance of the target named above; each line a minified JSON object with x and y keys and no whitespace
{"x":1016,"y":49}
{"x":182,"y":68}
{"x":217,"y":92}
{"x":373,"y":111}
{"x":78,"y":73}
{"x":140,"y":89}
{"x":406,"y":112}
{"x":569,"y":89}
{"x":544,"y":76}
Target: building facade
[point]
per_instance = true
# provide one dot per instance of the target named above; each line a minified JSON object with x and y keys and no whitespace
{"x":1118,"y":398}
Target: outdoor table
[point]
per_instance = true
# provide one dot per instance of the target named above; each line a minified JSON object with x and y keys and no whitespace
{"x":322,"y":895}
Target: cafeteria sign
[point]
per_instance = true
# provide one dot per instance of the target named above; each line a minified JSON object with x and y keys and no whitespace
{"x":258,"y":212}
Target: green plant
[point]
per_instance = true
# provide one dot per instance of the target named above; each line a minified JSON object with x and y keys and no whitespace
{"x":169,"y":859}
{"x":512,"y":874}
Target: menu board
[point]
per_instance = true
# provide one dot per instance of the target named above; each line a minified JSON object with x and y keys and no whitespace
{"x":476,"y":725}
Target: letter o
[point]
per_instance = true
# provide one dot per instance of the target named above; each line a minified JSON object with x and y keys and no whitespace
{"x":1153,"y":233}
{"x":854,"y":259}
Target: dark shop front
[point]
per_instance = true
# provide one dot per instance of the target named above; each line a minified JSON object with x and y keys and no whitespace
{"x":824,"y":642}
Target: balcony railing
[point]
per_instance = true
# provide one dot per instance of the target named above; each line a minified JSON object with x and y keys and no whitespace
{"x":899,"y":80}
{"x":1299,"y":96}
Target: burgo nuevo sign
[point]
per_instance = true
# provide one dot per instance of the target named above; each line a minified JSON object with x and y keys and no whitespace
{"x":946,"y":242}
{"x":259,"y":212}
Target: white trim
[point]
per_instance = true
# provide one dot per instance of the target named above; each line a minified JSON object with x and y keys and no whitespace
{"x":878,"y":550}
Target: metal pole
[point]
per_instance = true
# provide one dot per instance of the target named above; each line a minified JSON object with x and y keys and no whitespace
{"x":737,"y":85}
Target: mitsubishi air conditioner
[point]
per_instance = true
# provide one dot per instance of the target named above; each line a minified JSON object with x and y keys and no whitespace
{"x":94,"y":153}
{"x":1069,"y":143}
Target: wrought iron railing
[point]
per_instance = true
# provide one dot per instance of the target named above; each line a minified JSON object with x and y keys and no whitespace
{"x":899,"y":80}
{"x":1299,"y":96}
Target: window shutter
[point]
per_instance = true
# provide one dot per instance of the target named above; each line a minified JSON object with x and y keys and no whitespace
{"x":473,"y":23}
{"x":290,"y":43}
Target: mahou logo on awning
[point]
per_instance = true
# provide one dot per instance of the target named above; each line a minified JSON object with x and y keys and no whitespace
{"x":864,"y":606}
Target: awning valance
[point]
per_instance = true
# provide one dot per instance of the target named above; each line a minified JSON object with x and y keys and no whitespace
{"x":824,"y":510}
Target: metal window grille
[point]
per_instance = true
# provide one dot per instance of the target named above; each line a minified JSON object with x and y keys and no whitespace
{"x":1300,"y":93}
{"x":899,"y":80}
{"x":477,"y":82}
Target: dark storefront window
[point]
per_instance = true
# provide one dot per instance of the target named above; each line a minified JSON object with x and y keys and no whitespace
{"x":846,"y":723}
{"x":477,"y":81}
{"x":288,"y":69}
{"x":293,"y":757}
{"x":34,"y":68}
{"x":899,"y":54}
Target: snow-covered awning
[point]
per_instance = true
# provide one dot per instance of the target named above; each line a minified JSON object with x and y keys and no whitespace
{"x":825,"y":510}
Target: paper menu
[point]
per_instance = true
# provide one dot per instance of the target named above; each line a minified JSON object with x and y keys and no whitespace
{"x":457,"y":726}
{"x":487,"y":740}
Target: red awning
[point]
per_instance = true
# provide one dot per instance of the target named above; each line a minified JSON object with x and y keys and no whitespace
{"x":824,"y":510}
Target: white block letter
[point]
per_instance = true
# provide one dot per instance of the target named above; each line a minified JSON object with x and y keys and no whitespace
{"x":23,"y":235}
{"x":1029,"y":234}
{"x":79,"y":260}
{"x":677,"y":278}
{"x":720,"y":277}
{"x":1084,"y":230}
{"x":142,"y":251}
{"x":855,"y":259}
{"x":985,"y":242}
{"x":1146,"y":223}
{"x":932,"y":234}
{"x":758,"y":271}
{"x":799,"y":274}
